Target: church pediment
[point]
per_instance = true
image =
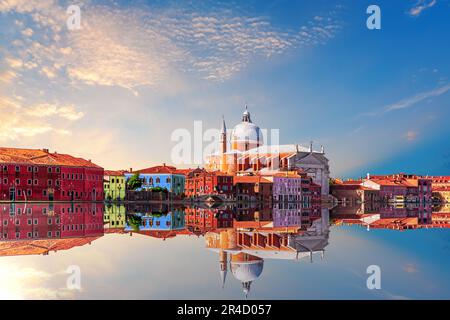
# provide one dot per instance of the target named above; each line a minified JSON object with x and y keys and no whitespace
{"x":311,"y":159}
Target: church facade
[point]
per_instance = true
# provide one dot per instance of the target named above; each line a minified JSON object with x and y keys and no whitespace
{"x":246,"y":153}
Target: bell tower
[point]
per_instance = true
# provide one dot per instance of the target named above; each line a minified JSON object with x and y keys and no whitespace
{"x":223,"y":147}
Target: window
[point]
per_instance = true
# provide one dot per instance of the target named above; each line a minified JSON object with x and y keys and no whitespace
{"x":36,"y":169}
{"x":29,"y":182}
{"x":30,"y":169}
{"x":35,"y":181}
{"x":58,"y":170}
{"x":5,"y":181}
{"x":44,"y":193}
{"x":49,"y":170}
{"x":17,"y":181}
{"x":17,"y":169}
{"x":49,"y":182}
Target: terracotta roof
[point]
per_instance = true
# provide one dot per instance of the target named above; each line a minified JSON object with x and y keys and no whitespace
{"x":349,"y":187}
{"x":36,"y":247}
{"x":42,"y":157}
{"x":185,"y":171}
{"x":159,"y":169}
{"x":114,"y":172}
{"x":388,"y":182}
{"x":250,"y":179}
{"x":351,"y":182}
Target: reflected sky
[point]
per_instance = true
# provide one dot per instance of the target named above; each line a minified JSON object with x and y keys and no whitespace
{"x":160,"y":252}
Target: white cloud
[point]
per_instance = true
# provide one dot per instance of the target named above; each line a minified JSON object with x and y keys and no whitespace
{"x":29,"y":121}
{"x":47,"y":110}
{"x":135,"y":47}
{"x":28,"y":32}
{"x":420,"y":6}
{"x":411,"y":135}
{"x":409,"y":102}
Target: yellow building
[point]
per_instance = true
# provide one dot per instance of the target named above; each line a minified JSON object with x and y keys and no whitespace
{"x":114,"y":217}
{"x":114,"y":185}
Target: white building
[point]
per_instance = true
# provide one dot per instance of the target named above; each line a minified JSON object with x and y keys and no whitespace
{"x":248,"y":154}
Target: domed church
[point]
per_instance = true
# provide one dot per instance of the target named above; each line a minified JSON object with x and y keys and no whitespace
{"x":246,"y":135}
{"x":246,"y":153}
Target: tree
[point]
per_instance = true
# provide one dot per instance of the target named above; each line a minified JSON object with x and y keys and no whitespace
{"x":134,"y":221}
{"x":134,"y":182}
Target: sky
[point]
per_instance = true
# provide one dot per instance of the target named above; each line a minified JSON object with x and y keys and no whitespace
{"x":116,"y":89}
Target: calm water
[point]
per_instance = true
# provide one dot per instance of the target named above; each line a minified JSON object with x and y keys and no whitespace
{"x":160,"y":252}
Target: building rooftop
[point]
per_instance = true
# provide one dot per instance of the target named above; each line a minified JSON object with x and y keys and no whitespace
{"x":42,"y":157}
{"x":250,"y":179}
{"x":114,"y":172}
{"x":159,"y":169}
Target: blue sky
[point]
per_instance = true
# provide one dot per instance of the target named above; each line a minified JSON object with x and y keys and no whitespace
{"x":115,"y":90}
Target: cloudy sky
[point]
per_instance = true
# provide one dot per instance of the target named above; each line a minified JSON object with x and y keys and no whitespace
{"x":115,"y":90}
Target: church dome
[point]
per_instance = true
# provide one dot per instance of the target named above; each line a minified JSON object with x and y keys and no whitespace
{"x":246,"y":135}
{"x":245,"y":267}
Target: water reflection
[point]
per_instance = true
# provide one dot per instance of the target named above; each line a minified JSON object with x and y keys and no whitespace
{"x":400,"y":217}
{"x":242,"y":240}
{"x":29,"y":229}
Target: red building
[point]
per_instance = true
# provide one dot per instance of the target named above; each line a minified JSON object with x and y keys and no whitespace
{"x":401,"y":187}
{"x":200,"y":182}
{"x":38,"y":175}
{"x":21,"y":221}
{"x":199,"y":221}
{"x":253,"y":188}
{"x":441,"y":188}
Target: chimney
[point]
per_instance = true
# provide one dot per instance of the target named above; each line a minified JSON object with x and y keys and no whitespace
{"x":368,"y":176}
{"x":45,"y":150}
{"x":164,"y":164}
{"x":131,"y":169}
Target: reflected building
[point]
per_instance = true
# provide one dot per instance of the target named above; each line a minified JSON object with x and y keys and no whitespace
{"x":399,"y":217}
{"x":155,"y":221}
{"x":244,"y":247}
{"x":32,"y":229}
{"x":114,"y":218}
{"x":199,"y":220}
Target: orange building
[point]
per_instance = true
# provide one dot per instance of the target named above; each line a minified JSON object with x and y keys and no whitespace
{"x":441,"y":188}
{"x":200,"y":182}
{"x":253,"y":188}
